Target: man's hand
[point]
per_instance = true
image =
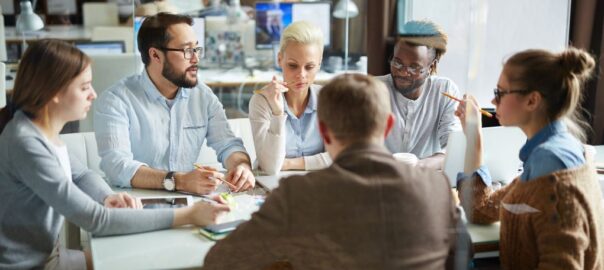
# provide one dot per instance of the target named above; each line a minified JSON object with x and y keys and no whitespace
{"x":241,"y":177}
{"x":122,"y":200}
{"x":198,"y":181}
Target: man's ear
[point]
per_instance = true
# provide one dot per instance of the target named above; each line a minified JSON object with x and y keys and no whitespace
{"x":154,"y":54}
{"x":323,"y":130}
{"x":389,"y":124}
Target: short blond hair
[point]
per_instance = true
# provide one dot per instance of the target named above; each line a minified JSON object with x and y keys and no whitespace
{"x":354,"y":107}
{"x":302,"y":32}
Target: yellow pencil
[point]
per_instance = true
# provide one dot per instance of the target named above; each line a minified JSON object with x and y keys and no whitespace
{"x":258,"y":91}
{"x":228,"y":184}
{"x":487,"y":114}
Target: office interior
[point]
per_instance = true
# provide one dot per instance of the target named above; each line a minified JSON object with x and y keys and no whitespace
{"x":240,"y":39}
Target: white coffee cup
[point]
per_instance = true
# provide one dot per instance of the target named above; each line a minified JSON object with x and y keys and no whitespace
{"x":407,"y":158}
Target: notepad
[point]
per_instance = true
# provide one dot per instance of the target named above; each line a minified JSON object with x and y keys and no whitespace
{"x":212,"y":236}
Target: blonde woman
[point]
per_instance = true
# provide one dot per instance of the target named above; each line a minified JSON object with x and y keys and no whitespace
{"x":284,"y":114}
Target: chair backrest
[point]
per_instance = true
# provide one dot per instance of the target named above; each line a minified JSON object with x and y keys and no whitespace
{"x":107,"y":70}
{"x":2,"y":85}
{"x":241,"y":128}
{"x":501,"y":146}
{"x":100,"y":14}
{"x":110,"y":33}
{"x":83,"y":147}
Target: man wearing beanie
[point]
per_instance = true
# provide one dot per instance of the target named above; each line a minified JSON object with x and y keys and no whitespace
{"x":424,"y":117}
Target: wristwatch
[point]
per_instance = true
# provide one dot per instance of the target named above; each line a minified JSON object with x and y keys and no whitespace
{"x":169,"y":182}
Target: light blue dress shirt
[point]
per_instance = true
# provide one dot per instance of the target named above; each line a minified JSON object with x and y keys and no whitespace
{"x":552,"y":149}
{"x":303,"y":137}
{"x":135,"y":126}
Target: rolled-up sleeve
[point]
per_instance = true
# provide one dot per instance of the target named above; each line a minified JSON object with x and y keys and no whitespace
{"x":482,"y":172}
{"x":220,"y":136}
{"x":111,"y":127}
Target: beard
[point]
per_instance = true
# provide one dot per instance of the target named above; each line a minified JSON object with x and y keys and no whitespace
{"x":411,"y":86}
{"x":178,"y":79}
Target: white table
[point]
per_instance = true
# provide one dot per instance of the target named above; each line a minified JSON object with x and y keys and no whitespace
{"x":178,"y":248}
{"x":235,"y":77}
{"x":62,"y":32}
{"x":185,"y":248}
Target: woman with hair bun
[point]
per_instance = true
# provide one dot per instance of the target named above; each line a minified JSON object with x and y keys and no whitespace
{"x":552,"y":214}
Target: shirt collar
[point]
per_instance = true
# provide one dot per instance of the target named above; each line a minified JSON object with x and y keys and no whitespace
{"x":154,"y":93}
{"x":554,"y":128}
{"x":312,"y":101}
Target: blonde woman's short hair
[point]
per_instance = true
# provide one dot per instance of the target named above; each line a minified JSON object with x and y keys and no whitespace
{"x":301,"y":32}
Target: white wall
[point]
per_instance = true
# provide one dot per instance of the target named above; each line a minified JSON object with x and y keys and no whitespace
{"x":482,"y":34}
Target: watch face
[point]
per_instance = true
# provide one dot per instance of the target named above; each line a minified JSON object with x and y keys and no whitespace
{"x":169,"y":184}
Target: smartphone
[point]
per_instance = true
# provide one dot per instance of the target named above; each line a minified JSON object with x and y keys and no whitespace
{"x":224,"y":227}
{"x":155,"y":203}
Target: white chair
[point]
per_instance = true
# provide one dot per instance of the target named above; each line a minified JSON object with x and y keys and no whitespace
{"x":110,"y":33}
{"x":100,"y":14}
{"x":83,"y":147}
{"x":241,"y":128}
{"x":501,"y":146}
{"x":107,"y":70}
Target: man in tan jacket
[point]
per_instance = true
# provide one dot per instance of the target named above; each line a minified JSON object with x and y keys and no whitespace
{"x":366,"y":211}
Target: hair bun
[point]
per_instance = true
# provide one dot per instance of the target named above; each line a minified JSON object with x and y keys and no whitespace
{"x":577,"y":62}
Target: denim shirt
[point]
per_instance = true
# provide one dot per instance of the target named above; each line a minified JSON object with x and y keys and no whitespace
{"x":135,"y":126}
{"x":552,"y":149}
{"x":302,"y":134}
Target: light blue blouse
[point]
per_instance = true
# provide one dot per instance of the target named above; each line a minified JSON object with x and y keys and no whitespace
{"x":303,"y":137}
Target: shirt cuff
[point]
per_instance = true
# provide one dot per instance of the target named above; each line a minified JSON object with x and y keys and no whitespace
{"x":317,"y":162}
{"x":482,"y":171}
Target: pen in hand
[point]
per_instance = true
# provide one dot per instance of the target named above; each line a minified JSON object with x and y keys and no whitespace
{"x":485,"y":113}
{"x":233,"y":187}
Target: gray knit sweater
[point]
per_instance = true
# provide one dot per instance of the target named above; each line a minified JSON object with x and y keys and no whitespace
{"x":36,"y":196}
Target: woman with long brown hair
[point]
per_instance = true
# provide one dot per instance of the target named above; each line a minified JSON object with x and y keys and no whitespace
{"x":40,"y":185}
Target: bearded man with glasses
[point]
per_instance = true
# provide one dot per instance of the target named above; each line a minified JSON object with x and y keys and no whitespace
{"x":150,"y":127}
{"x":424,"y":117}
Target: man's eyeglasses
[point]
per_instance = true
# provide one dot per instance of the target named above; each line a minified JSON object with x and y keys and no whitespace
{"x":188,"y":52}
{"x":413,"y":69}
{"x":500,"y":93}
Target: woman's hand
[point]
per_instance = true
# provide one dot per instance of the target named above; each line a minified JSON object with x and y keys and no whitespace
{"x":122,"y":200}
{"x":469,"y":111}
{"x":202,"y":213}
{"x":272,"y":93}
